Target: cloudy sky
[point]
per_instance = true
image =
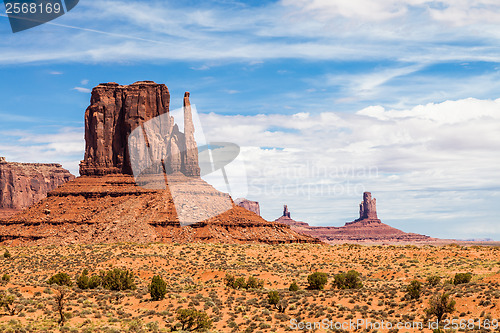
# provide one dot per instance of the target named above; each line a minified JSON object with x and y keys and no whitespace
{"x":326,"y":98}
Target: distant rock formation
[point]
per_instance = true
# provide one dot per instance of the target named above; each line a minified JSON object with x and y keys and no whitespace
{"x":286,"y":219}
{"x":366,"y":229}
{"x":115,"y":111}
{"x":252,"y":206}
{"x":286,"y":213}
{"x":107,"y":204}
{"x":23,"y":184}
{"x":368,"y":207}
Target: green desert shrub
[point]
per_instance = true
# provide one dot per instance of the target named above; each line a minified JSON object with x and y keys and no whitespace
{"x":414,"y":289}
{"x":317,"y":280}
{"x":240,"y":283}
{"x":349,"y":280}
{"x":82,"y":281}
{"x":61,"y":279}
{"x":461,"y":278}
{"x":273,"y":297}
{"x":294,"y":286}
{"x":433,"y":280}
{"x":193,"y":320}
{"x":6,"y":278}
{"x":7,"y":254}
{"x":117,"y":279}
{"x":157,"y":288}
{"x":440,"y":305}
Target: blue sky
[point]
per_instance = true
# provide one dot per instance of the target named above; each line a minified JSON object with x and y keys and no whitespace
{"x":408,"y":88}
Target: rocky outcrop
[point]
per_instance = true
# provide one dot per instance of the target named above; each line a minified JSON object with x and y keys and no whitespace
{"x":368,"y":207}
{"x":286,"y":219}
{"x":115,"y":111}
{"x":23,"y":184}
{"x":286,"y":213}
{"x":252,"y":206}
{"x":366,"y":229}
{"x":140,"y":183}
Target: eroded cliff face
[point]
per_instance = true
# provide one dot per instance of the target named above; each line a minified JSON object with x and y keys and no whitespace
{"x":115,"y":111}
{"x":23,"y":184}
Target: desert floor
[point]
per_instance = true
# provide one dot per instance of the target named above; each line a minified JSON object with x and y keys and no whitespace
{"x":195,"y":278}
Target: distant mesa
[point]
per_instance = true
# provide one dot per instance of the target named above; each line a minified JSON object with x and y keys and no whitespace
{"x":23,"y":184}
{"x":366,"y":229}
{"x":250,"y":205}
{"x":107,"y":204}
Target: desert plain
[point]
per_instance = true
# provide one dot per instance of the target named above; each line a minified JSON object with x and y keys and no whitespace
{"x":195,"y":278}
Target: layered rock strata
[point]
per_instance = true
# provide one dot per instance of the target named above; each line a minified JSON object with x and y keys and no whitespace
{"x":23,"y":184}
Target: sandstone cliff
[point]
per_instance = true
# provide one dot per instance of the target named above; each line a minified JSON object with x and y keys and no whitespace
{"x":366,"y":229}
{"x":23,"y":184}
{"x":250,"y":205}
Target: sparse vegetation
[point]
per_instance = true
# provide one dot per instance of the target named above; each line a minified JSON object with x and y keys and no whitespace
{"x":195,"y":279}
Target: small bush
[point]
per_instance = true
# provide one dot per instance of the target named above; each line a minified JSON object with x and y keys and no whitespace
{"x":413,"y":290}
{"x":440,"y":305}
{"x":294,"y":286}
{"x":6,"y":277}
{"x":433,"y":280}
{"x":273,"y":297}
{"x":349,"y":280}
{"x":118,"y":279}
{"x":193,"y":320}
{"x":462,"y":278}
{"x":157,"y":288}
{"x":82,"y":281}
{"x":254,"y":283}
{"x":61,"y":279}
{"x":317,"y":280}
{"x":7,"y":254}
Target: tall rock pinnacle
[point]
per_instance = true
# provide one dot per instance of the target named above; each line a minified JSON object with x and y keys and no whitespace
{"x":286,"y":213}
{"x":368,"y":208}
{"x":190,"y":166}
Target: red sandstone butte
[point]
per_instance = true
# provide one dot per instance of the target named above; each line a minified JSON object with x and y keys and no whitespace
{"x":366,"y":229}
{"x":106,"y":204}
{"x":23,"y":184}
{"x":250,"y":205}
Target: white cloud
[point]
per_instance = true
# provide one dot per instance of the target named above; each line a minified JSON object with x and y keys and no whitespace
{"x":405,"y":30}
{"x":84,"y":82}
{"x":82,"y":90}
